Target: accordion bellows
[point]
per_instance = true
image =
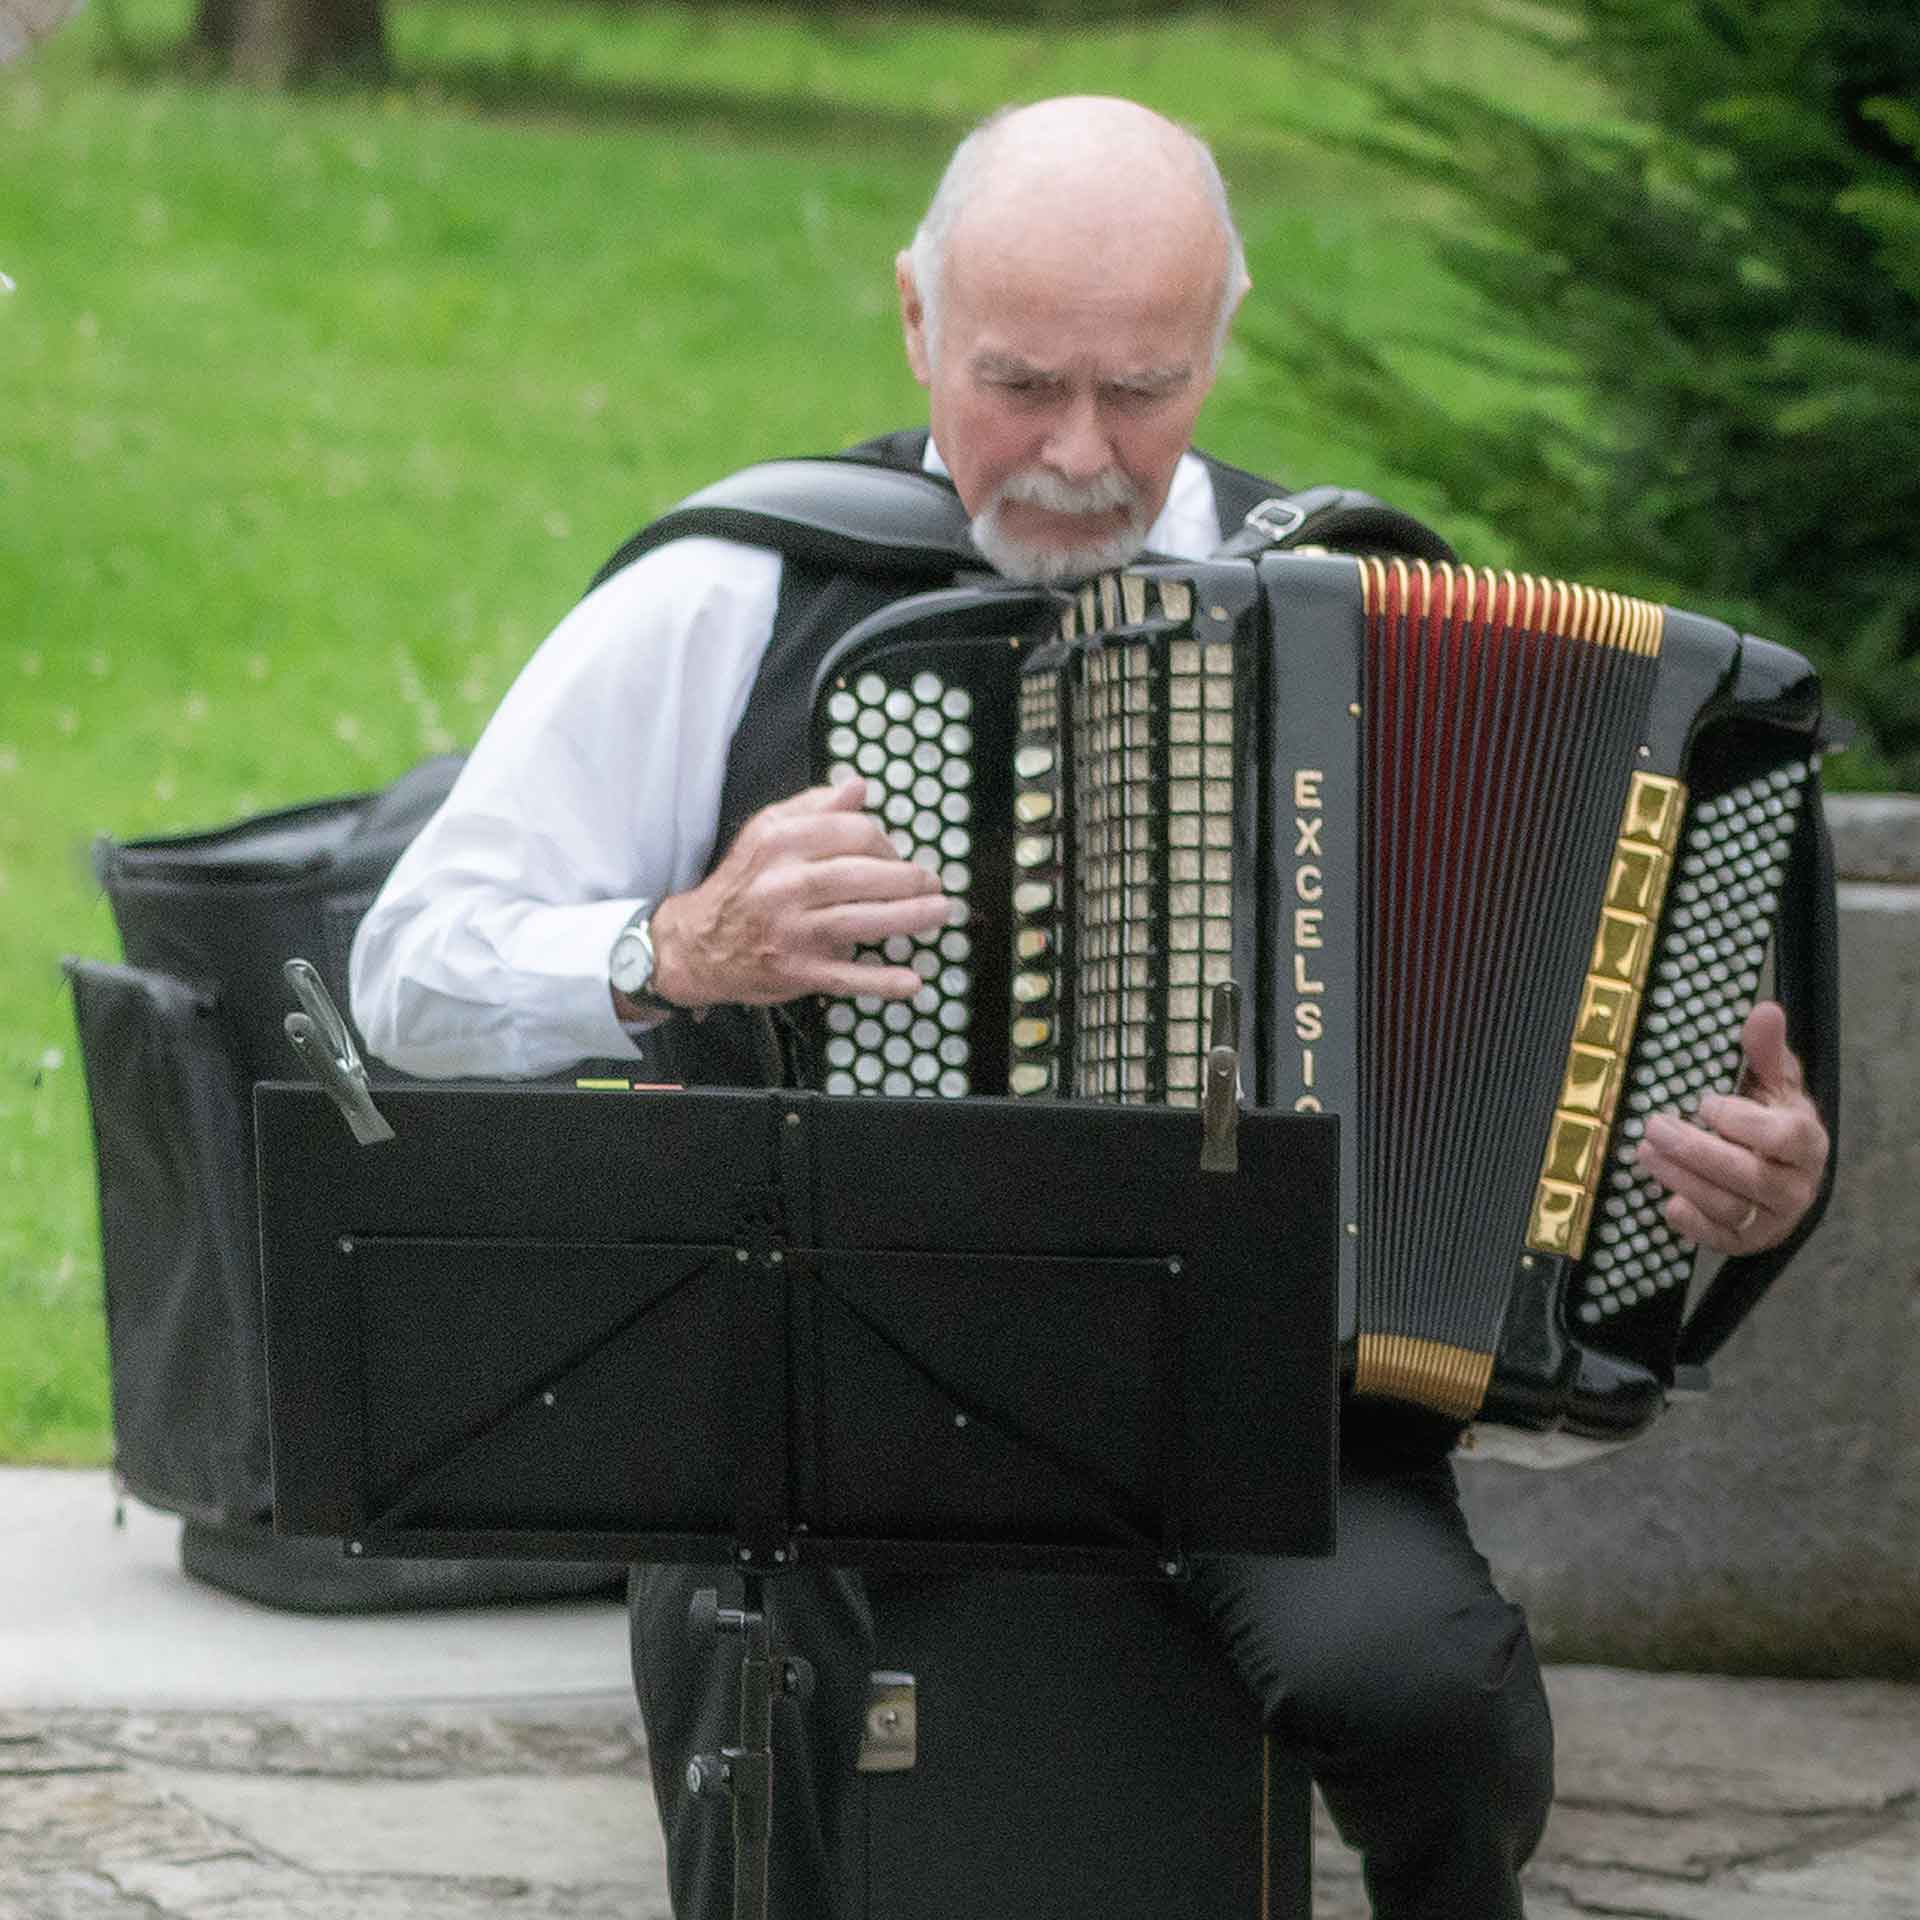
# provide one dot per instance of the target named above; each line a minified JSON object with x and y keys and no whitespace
{"x":1496,"y":862}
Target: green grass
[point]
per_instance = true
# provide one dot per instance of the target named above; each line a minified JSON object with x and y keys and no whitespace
{"x":316,"y":411}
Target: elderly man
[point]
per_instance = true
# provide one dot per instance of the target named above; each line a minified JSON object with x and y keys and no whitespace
{"x":1064,"y":305}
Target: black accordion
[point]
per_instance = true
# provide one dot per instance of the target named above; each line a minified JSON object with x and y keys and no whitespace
{"x":1497,"y":863}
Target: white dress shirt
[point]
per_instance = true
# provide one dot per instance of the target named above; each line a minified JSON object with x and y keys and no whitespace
{"x":595,"y":786}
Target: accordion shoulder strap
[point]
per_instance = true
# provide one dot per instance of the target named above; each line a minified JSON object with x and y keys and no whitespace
{"x":832,"y":512}
{"x":1334,"y":517}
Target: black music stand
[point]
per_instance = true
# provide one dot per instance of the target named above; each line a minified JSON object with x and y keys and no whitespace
{"x":761,"y":1329}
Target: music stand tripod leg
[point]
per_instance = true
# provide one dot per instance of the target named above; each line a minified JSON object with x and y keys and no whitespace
{"x":744,"y":1773}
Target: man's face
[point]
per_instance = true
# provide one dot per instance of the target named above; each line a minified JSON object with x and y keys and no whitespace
{"x":1063,"y":389}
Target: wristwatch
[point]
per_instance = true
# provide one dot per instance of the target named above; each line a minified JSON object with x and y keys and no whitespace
{"x":630,"y":970}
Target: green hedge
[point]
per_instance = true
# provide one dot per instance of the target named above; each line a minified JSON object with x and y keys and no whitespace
{"x":1716,"y":295}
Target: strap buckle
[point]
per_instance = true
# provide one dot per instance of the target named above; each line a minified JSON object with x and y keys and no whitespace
{"x":1277,"y":518}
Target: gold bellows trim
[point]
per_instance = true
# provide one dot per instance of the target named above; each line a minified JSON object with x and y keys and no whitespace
{"x":1400,"y":1366}
{"x":1608,"y":1015}
{"x":1506,"y":599}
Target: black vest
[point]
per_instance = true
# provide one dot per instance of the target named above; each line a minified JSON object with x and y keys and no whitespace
{"x":768,"y":759}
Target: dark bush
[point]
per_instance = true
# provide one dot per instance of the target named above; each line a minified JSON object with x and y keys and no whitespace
{"x":1713,"y":300}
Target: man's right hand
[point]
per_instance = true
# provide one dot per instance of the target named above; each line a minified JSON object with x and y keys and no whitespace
{"x":805,"y":882}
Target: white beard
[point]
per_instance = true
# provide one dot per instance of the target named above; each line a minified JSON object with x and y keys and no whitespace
{"x":1048,"y":565}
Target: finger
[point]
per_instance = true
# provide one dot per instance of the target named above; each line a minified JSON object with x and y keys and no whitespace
{"x":1720,"y":1193}
{"x":1727,"y":1214}
{"x":1746,"y":1232}
{"x":852,"y":979}
{"x":844,"y":796}
{"x":787,"y":835}
{"x":1787,"y":1131}
{"x":834,"y":880}
{"x":1675,"y":1151}
{"x":1773,"y":1069}
{"x":849,"y":793}
{"x":805,"y":837}
{"x":869,"y":923}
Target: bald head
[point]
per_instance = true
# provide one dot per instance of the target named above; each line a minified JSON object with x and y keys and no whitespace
{"x":1104,"y":179}
{"x":1063,"y":304}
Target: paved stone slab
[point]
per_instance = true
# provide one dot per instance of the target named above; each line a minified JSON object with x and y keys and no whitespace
{"x":457,"y":1817}
{"x":581,"y":1734}
{"x":50,"y":1822}
{"x":566,"y":1832}
{"x":1689,"y":1797}
{"x":262,"y":1891}
{"x":1692,"y":1847}
{"x":1880,"y":1882}
{"x":67,"y":1895}
{"x":1682,"y":1797}
{"x":1632,"y":1870}
{"x":450,"y":1813}
{"x":26,"y":1748}
{"x":1880,"y":1875}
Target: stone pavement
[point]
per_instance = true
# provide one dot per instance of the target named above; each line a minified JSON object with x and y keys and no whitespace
{"x":166,"y":1751}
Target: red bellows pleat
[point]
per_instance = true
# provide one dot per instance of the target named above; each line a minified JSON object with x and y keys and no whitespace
{"x":1499,"y":741}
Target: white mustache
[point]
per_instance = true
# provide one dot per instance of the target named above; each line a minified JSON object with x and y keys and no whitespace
{"x":1036,"y":487}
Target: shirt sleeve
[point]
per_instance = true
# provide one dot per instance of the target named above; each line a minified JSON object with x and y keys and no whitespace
{"x":595,"y":786}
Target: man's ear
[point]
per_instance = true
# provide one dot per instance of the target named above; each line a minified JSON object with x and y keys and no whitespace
{"x":913,"y":318}
{"x":1246,"y":287}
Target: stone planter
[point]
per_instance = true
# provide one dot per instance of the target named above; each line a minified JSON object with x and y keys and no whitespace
{"x":1774,"y":1526}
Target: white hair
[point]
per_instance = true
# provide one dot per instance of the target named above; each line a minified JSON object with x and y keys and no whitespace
{"x":960,"y":182}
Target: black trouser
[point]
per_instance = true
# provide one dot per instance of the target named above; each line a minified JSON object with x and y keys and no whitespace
{"x":1394,"y":1666}
{"x":1410,"y":1687}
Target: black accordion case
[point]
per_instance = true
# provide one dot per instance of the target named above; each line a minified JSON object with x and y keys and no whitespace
{"x":173,"y":1041}
{"x":1498,"y":864}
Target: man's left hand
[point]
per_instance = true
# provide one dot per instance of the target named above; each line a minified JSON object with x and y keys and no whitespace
{"x":1742,"y":1175}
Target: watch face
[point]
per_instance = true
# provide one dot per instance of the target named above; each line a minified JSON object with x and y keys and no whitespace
{"x":632,"y":964}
